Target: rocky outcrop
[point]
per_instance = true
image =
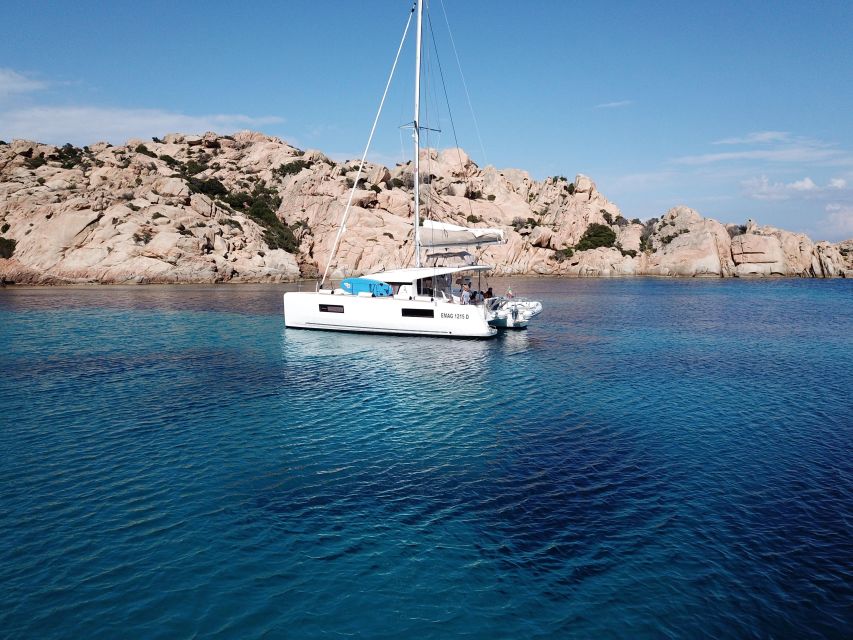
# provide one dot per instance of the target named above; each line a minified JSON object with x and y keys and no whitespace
{"x":250,"y":207}
{"x":758,"y":255}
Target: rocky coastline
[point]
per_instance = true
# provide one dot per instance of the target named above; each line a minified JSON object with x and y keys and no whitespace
{"x":252,"y":208}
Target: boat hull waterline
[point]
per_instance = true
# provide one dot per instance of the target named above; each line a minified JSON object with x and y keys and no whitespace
{"x":391,"y":315}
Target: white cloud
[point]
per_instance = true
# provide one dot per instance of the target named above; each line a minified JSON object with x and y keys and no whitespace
{"x":776,"y":147}
{"x":614,"y":105}
{"x":85,"y":125}
{"x":643,"y":180}
{"x":839,"y":221}
{"x":757,"y":137}
{"x":806,"y":184}
{"x":14,"y":83}
{"x":763,"y":189}
{"x":786,"y":154}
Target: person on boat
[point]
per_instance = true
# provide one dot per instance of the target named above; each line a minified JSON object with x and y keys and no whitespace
{"x":509,"y":293}
{"x":466,"y":294}
{"x":488,"y":294}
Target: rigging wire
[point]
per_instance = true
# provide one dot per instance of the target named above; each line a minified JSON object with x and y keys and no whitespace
{"x":342,"y":226}
{"x":450,"y":117}
{"x":464,"y":84}
{"x":429,"y":89}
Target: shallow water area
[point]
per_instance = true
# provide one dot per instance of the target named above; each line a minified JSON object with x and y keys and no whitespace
{"x":651,"y":458}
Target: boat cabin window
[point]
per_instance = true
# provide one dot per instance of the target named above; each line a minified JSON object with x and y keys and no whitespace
{"x":435,"y":286}
{"x":418,"y":313}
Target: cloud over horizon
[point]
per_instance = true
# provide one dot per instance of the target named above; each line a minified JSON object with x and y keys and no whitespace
{"x":87,"y":124}
{"x":14,"y":83}
{"x":839,"y":220}
{"x":763,"y":189}
{"x":614,"y":105}
{"x":757,"y":137}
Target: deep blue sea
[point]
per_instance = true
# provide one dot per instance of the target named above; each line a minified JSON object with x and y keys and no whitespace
{"x":650,"y":459}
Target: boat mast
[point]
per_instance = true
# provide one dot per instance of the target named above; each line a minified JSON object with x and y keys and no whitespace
{"x":417,"y":136}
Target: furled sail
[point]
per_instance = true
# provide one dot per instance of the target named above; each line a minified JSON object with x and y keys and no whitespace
{"x":442,"y":234}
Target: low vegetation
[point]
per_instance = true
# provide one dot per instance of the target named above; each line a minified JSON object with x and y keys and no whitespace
{"x":563,"y":254}
{"x":626,"y":252}
{"x":595,"y":236}
{"x":7,"y":247}
{"x":670,"y":238}
{"x":35,"y":163}
{"x":143,"y":236}
{"x":646,"y":244}
{"x":292,"y":168}
{"x":260,"y":206}
{"x":141,"y":148}
{"x":68,"y":156}
{"x":194,"y":167}
{"x":210,"y":187}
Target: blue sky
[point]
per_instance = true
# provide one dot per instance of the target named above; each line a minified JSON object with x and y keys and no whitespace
{"x":737,"y":109}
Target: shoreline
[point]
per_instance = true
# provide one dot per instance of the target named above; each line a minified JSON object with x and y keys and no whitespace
{"x":538,"y":277}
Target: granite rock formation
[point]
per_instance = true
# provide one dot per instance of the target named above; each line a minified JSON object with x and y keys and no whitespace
{"x":250,"y":207}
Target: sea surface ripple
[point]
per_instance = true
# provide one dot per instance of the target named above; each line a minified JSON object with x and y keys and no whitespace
{"x":651,"y":458}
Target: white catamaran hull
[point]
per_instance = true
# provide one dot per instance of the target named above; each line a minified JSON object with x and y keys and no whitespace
{"x":421,"y":316}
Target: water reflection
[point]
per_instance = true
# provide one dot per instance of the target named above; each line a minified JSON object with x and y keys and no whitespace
{"x":425,"y":362}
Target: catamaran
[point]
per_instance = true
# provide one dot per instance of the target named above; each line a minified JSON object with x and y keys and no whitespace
{"x":419,"y":300}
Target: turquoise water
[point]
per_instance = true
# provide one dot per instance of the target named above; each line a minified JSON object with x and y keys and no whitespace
{"x":652,"y":458}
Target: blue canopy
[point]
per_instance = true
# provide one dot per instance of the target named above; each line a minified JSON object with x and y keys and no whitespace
{"x":366,"y":285}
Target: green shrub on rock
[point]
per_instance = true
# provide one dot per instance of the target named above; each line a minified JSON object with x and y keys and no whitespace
{"x":291,"y":168}
{"x":563,"y":254}
{"x":646,"y":244}
{"x":69,"y":156}
{"x":7,"y":247}
{"x":595,"y":236}
{"x":192,"y":167}
{"x":210,"y":187}
{"x":35,"y":163}
{"x":260,"y":206}
{"x":141,"y":148}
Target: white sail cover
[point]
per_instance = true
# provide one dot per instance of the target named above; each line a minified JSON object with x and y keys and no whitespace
{"x":442,"y":234}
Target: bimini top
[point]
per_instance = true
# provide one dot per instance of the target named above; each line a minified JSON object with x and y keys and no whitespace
{"x":442,"y":234}
{"x":407,"y":276}
{"x":370,"y":286}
